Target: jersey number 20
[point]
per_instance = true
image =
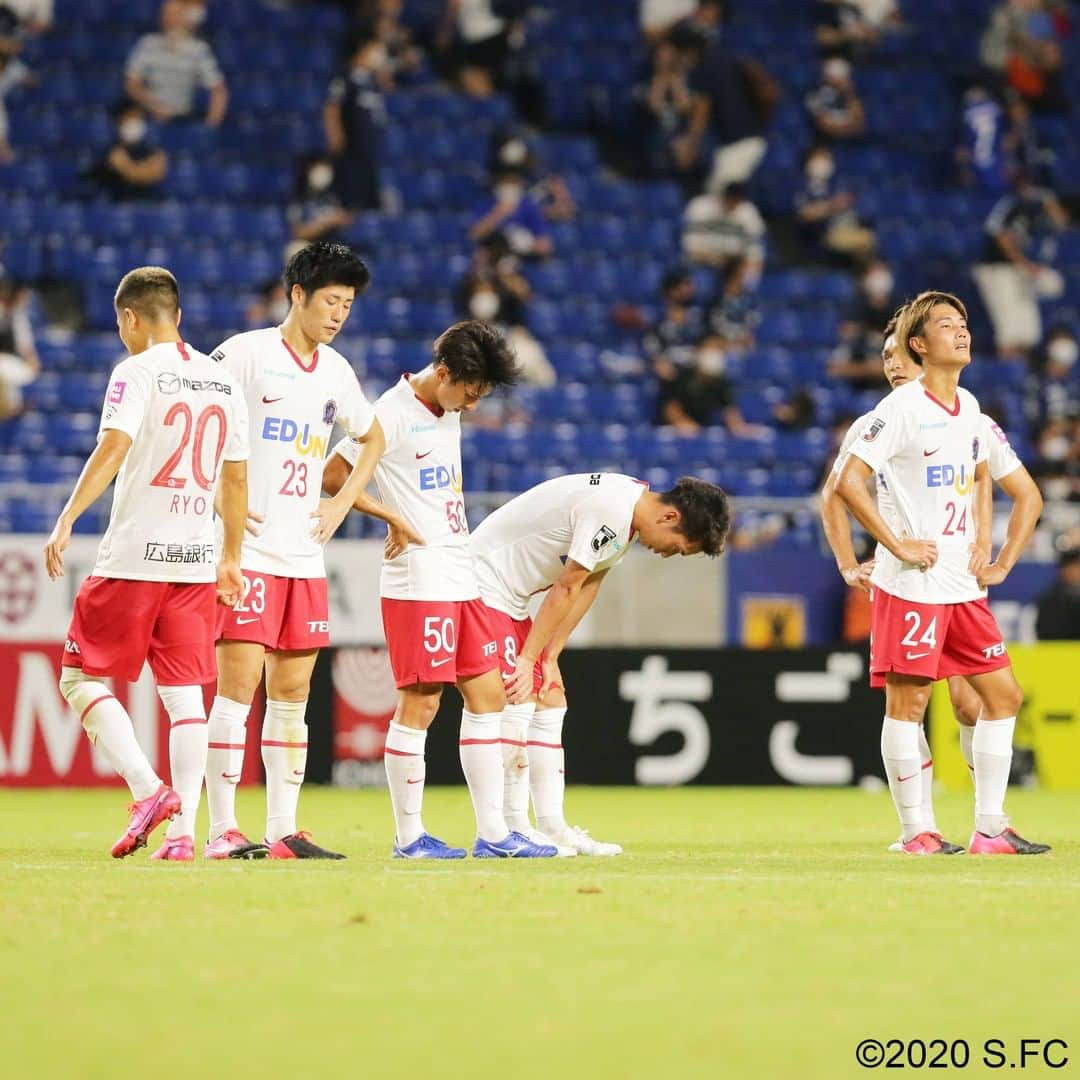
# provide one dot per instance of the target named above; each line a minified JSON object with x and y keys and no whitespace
{"x":166,"y":475}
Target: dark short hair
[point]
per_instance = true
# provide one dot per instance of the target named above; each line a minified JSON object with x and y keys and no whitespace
{"x":674,"y":275}
{"x":150,"y":291}
{"x":890,"y":329}
{"x":474,"y":352}
{"x":324,"y":263}
{"x":734,"y":190}
{"x":704,"y":510}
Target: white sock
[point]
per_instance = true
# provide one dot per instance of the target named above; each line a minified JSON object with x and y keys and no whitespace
{"x":903,"y":766}
{"x":109,"y":728}
{"x":284,"y":754}
{"x":991,"y":751}
{"x":227,"y":728}
{"x":547,"y":769}
{"x":967,"y":734}
{"x":514,"y":732}
{"x":187,"y":753}
{"x":405,"y":771}
{"x":480,"y":748}
{"x":927,"y":783}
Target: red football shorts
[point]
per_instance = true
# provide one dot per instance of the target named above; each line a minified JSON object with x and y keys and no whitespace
{"x":438,"y":641}
{"x":118,"y":624}
{"x":510,"y":635}
{"x":278,"y":613}
{"x":933,"y":641}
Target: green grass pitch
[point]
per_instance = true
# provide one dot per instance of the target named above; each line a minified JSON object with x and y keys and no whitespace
{"x":745,"y":933}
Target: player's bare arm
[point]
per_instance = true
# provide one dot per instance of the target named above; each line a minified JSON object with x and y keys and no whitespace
{"x":557,"y":605}
{"x":98,"y":473}
{"x":400,"y":533}
{"x":332,"y":511}
{"x":552,"y":676}
{"x":984,"y":519}
{"x":837,"y":529}
{"x":1027,"y":506}
{"x":232,"y":501}
{"x":852,"y":489}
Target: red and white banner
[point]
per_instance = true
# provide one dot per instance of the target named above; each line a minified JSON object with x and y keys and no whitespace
{"x":42,"y":743}
{"x":364,"y":698}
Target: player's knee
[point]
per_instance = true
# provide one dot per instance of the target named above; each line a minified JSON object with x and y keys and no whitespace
{"x":71,"y":679}
{"x":182,"y":702}
{"x":1013,"y":698}
{"x":418,"y":705}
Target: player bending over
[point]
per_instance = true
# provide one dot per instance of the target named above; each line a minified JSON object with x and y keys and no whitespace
{"x":562,"y":537}
{"x":171,"y":419}
{"x":296,"y":387}
{"x":437,"y":628}
{"x":1005,"y":469}
{"x":930,"y":615}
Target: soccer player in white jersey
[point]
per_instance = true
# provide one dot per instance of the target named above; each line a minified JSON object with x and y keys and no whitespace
{"x":296,"y":387}
{"x":930,"y":615}
{"x":562,"y":537}
{"x":437,"y":628}
{"x":172,"y":424}
{"x":1005,"y":469}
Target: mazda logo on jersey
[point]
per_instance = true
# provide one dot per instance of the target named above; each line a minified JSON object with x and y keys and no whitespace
{"x":282,"y":429}
{"x":437,"y":477}
{"x":962,"y":480}
{"x":168,"y":383}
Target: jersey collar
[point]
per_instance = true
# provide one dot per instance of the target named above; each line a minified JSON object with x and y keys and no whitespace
{"x":435,"y":410}
{"x":308,"y":368}
{"x":954,"y":411}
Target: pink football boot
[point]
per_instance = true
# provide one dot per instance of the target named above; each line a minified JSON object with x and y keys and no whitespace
{"x":233,"y":844}
{"x":180,"y":849}
{"x":146,"y":815}
{"x":930,"y":843}
{"x":1008,"y":842}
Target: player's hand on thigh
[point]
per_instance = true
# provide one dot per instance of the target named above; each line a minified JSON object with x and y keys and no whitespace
{"x":519,"y":686}
{"x":58,"y":541}
{"x":551,"y":676}
{"x":399,"y":535}
{"x":254,"y":523}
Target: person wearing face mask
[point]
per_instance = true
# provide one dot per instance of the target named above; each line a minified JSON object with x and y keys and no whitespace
{"x":495,"y":292}
{"x":316,"y":211}
{"x":704,"y":395}
{"x":825,"y":212}
{"x":353,"y":117}
{"x":133,"y":167}
{"x":857,"y":357}
{"x":511,"y":210}
{"x":166,"y":70}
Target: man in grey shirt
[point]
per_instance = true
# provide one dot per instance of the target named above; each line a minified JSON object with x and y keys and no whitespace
{"x":165,"y":70}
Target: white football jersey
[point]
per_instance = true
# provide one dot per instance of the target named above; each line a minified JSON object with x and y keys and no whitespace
{"x":184,"y":415}
{"x":521,"y":548}
{"x":1002,"y":459}
{"x":419,"y":477}
{"x":884,"y":497}
{"x":927,"y":455}
{"x":292,"y":408}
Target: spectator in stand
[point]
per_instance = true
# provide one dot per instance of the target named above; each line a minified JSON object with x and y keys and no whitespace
{"x":825,"y":212}
{"x":664,"y":105}
{"x":353,"y":118}
{"x":858,"y":356}
{"x":855,"y":25}
{"x":1022,"y":46}
{"x":133,"y":166}
{"x":726,"y":232}
{"x":658,"y":17}
{"x":733,"y":315}
{"x":317,"y":211}
{"x":1054,"y":380}
{"x":495,"y":291}
{"x":1058,"y":609}
{"x":702,"y":395}
{"x":733,"y":99}
{"x":513,"y":212}
{"x":672,"y":341}
{"x":1027,"y":153}
{"x":797,"y":413}
{"x":1016,"y":269}
{"x":269,"y":307}
{"x":509,"y":149}
{"x":21,"y":18}
{"x":382,"y":19}
{"x":1057,"y":466}
{"x":165,"y":71}
{"x":479,"y":40}
{"x":835,"y":108}
{"x":707,"y":21}
{"x":982,"y":153}
{"x":19,"y":364}
{"x":13,"y":73}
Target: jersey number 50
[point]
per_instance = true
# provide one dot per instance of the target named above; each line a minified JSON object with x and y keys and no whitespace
{"x":181,"y":411}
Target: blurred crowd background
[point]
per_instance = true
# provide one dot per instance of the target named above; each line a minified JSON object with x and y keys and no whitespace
{"x":693,"y":217}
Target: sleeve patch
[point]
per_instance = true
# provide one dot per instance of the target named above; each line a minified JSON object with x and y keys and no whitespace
{"x":116,"y":392}
{"x":874,"y":430}
{"x":602,"y":537}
